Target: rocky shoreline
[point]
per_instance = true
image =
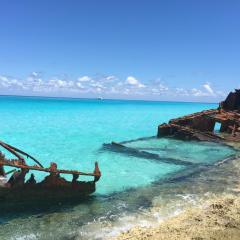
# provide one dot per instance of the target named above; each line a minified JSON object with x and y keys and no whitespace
{"x":215,"y":219}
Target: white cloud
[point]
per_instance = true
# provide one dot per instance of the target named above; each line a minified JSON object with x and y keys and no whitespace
{"x":61,"y":83}
{"x":3,"y":79}
{"x":126,"y":91}
{"x":106,"y":85}
{"x":8,"y":82}
{"x":84,"y":79}
{"x":197,"y":92}
{"x":181,"y":91}
{"x":205,"y":91}
{"x":35,"y":74}
{"x":134,"y":82}
{"x":208,"y":88}
{"x":4,"y":82}
{"x":111,"y":78}
{"x":79,"y":85}
{"x":97,"y":85}
{"x":162,"y":87}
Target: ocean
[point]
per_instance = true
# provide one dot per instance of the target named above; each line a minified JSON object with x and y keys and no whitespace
{"x":71,"y":132}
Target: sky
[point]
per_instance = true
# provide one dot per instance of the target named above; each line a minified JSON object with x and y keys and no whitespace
{"x":150,"y":49}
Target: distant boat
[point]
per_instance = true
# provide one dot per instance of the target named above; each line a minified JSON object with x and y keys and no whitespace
{"x":100,"y":98}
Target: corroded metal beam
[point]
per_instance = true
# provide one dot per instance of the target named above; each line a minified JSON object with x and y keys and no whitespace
{"x":21,"y":163}
{"x":4,"y":145}
{"x":19,"y":151}
{"x":17,"y":164}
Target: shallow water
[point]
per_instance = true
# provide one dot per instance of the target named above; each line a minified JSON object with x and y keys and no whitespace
{"x":190,"y":151}
{"x":71,"y":132}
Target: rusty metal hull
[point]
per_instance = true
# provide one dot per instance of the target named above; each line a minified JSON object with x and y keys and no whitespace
{"x":20,"y":198}
{"x":17,"y":193}
{"x":201,"y":125}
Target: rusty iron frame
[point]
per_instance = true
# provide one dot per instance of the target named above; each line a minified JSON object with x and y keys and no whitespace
{"x":20,"y":162}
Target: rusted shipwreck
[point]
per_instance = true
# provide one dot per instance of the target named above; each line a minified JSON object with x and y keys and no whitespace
{"x":201,"y":125}
{"x":17,"y":191}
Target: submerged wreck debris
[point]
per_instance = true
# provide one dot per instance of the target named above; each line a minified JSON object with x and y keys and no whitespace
{"x":120,"y":147}
{"x":54,"y":187}
{"x":201,"y":125}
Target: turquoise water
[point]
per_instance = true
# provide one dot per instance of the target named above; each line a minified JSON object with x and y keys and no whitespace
{"x":71,"y":132}
{"x":194,"y":152}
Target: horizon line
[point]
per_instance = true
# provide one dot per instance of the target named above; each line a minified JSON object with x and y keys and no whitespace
{"x":102,"y":99}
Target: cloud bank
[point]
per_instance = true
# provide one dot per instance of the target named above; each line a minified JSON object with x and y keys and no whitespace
{"x":106,"y":86}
